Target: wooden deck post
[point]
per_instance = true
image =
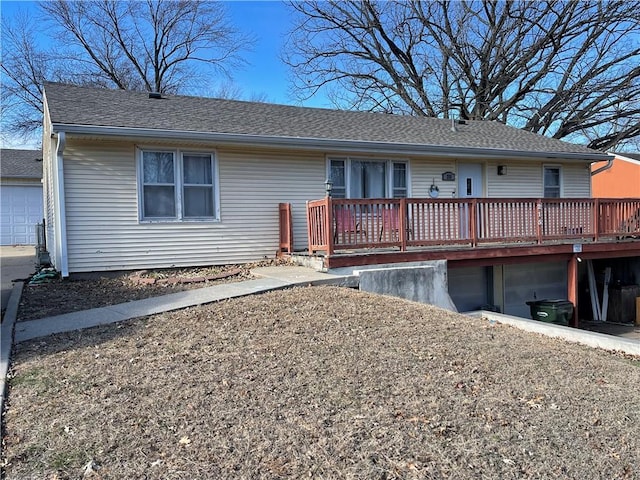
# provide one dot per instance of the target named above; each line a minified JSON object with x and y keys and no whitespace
{"x":402,"y":226}
{"x":473,"y":222}
{"x":572,"y":287}
{"x":539,"y":221}
{"x":328,"y":225}
{"x":596,"y":219}
{"x":309,"y":240}
{"x":286,"y":229}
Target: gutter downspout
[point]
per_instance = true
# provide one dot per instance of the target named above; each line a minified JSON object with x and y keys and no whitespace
{"x":61,"y":217}
{"x":606,"y":167}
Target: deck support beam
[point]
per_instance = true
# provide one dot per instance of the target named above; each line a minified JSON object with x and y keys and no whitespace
{"x":572,"y":287}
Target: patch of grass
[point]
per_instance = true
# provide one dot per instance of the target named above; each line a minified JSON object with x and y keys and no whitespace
{"x":68,"y":461}
{"x":36,"y":378}
{"x":635,"y":363}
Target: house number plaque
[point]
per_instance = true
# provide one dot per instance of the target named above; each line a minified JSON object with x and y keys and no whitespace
{"x":448,"y":177}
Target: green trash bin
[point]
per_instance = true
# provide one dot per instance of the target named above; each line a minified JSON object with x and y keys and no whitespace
{"x":559,"y":312}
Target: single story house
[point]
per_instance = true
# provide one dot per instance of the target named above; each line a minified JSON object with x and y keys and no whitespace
{"x":21,"y":207}
{"x":136,"y":180}
{"x":620,"y":180}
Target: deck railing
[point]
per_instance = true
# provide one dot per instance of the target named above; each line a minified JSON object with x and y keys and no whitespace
{"x":339,"y":224}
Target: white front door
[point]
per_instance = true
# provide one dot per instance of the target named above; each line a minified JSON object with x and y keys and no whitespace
{"x":469,"y":180}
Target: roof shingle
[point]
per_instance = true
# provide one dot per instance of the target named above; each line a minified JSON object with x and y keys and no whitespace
{"x":74,"y":105}
{"x":20,"y":163}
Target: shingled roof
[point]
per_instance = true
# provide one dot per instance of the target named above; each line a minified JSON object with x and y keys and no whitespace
{"x":89,"y":107}
{"x":632,"y":156}
{"x":20,"y":163}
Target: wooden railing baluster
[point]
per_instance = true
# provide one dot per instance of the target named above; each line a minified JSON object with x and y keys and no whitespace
{"x":424,"y":222}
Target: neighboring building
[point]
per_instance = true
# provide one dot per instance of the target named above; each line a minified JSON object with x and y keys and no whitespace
{"x":136,"y":181}
{"x":21,"y":196}
{"x":622,"y":180}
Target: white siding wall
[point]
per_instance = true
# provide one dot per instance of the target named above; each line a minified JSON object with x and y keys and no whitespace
{"x":253,"y":184}
{"x":577,"y":180}
{"x":522,"y":180}
{"x":48,"y":153}
{"x":104,"y":233}
{"x":425,"y":171}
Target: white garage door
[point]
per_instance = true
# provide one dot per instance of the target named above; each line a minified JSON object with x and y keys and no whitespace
{"x":20,"y":211}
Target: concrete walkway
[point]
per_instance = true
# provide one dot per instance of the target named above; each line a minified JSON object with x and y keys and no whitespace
{"x":271,"y":278}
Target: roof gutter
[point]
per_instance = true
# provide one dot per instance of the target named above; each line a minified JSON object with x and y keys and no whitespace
{"x":606,"y":167}
{"x":360,"y":146}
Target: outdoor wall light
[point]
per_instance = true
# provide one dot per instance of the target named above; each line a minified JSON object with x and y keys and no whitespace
{"x":328,"y":186}
{"x":502,"y":169}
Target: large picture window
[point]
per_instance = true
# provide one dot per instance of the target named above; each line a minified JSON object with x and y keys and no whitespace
{"x":177,"y":185}
{"x":368,"y":178}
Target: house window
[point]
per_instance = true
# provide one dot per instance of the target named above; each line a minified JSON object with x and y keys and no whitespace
{"x":399,"y":180}
{"x":197,"y":198}
{"x":368,"y":178}
{"x":177,"y":185}
{"x":552,"y":182}
{"x":337,"y":175}
{"x":159,"y":185}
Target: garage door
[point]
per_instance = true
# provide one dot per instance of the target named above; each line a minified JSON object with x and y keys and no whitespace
{"x":526,"y":282}
{"x":469,"y":287}
{"x":20,"y":211}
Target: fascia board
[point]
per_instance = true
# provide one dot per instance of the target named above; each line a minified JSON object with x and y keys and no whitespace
{"x":348,"y":146}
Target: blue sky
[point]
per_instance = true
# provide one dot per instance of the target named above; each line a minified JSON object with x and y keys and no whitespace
{"x":265,"y":75}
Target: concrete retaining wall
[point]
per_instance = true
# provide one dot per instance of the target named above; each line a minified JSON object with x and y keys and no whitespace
{"x":424,"y":283}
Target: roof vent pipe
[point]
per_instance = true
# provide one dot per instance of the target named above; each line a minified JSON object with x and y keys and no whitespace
{"x":453,"y":125}
{"x":155,"y":95}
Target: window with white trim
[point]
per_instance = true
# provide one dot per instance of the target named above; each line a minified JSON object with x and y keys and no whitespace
{"x":552,"y":180}
{"x":368,"y":178}
{"x":177,"y":186}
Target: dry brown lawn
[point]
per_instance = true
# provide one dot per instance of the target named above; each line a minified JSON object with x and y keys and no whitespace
{"x":319,"y":382}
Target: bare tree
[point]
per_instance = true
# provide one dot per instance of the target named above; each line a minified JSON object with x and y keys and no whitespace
{"x":152,"y":45}
{"x":23,"y":69}
{"x":566,"y":69}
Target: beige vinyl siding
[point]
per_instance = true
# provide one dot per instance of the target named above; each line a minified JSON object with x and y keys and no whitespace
{"x":253,"y":184}
{"x":425,"y":171}
{"x":104,"y":232}
{"x":523,"y":179}
{"x":48,"y":157}
{"x":576,"y":179}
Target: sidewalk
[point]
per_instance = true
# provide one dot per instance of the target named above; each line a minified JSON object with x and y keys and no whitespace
{"x":271,"y":278}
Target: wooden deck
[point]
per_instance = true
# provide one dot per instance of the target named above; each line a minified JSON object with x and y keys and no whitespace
{"x":366,"y":231}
